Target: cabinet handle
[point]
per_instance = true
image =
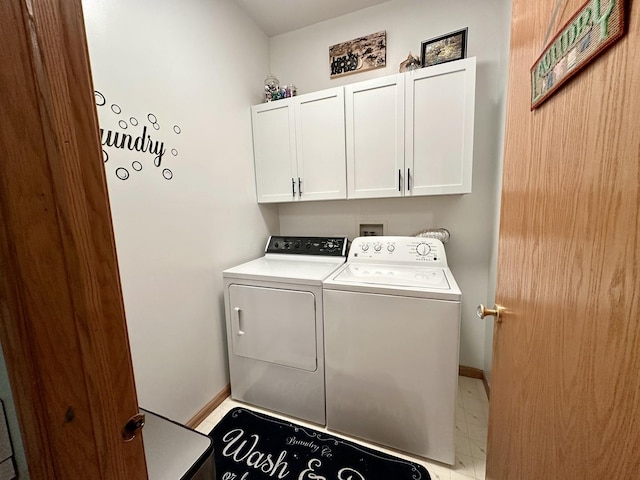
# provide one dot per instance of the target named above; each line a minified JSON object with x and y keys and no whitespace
{"x":299,"y":186}
{"x":408,"y":179}
{"x":399,"y":180}
{"x":293,"y":187}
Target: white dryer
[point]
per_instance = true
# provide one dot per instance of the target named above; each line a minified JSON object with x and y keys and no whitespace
{"x":275,"y":333}
{"x":392,"y":322}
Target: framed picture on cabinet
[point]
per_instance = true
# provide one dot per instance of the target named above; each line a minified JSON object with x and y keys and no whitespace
{"x":446,"y":48}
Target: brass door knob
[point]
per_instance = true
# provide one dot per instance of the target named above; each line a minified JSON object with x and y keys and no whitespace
{"x":488,"y":312}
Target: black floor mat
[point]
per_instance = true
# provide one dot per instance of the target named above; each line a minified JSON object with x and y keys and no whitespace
{"x":252,"y":446}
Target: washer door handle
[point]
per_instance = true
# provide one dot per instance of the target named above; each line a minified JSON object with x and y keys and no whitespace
{"x":240,"y":331}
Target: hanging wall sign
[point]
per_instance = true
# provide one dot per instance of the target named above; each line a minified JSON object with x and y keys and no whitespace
{"x":596,"y":26}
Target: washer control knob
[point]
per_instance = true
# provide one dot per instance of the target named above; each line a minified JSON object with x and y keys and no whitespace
{"x":423,"y":249}
{"x":377,"y":247}
{"x":365,"y":247}
{"x":391,"y":247}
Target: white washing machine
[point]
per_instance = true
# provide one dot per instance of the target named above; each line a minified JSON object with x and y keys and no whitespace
{"x":275,"y":332}
{"x":392,"y":322}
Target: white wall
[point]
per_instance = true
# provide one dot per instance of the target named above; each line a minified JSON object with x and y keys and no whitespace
{"x":493,"y":263}
{"x":301,"y":58}
{"x":198,"y":64}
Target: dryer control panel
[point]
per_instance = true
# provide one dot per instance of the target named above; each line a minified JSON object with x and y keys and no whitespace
{"x":324,"y":246}
{"x":398,"y":250}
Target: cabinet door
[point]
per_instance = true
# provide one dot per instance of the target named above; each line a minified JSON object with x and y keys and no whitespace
{"x":375,"y":137}
{"x":321,"y":145}
{"x":439,"y":128}
{"x":274,"y":151}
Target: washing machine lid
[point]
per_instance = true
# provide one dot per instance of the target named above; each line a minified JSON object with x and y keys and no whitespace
{"x":425,"y":282}
{"x":298,"y":269}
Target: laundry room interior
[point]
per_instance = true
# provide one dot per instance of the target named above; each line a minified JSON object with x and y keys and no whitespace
{"x":201,"y":66}
{"x":183,"y":200}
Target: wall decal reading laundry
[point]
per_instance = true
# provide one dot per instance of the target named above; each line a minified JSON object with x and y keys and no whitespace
{"x":130,"y":145}
{"x":141,"y":143}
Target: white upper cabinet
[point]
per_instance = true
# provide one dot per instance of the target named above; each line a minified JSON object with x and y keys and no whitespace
{"x":321,"y":145}
{"x":375,"y":137}
{"x":440,"y":103}
{"x":401,"y":135}
{"x":274,"y":150}
{"x":412,"y":134}
{"x":299,"y":148}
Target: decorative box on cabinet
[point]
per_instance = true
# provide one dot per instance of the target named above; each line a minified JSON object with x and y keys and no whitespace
{"x":411,"y":134}
{"x":299,"y":148}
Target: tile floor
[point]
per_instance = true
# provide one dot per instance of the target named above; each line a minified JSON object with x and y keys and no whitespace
{"x":472,"y":411}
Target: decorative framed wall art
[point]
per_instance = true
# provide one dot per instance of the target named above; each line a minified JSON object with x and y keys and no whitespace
{"x":445,"y":48}
{"x":358,"y":55}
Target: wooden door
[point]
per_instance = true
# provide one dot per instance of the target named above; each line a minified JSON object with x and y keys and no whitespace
{"x":565,"y":390}
{"x":63,"y":329}
{"x":374,"y":111}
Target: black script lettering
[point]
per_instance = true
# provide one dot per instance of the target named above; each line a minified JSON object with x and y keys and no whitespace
{"x":345,"y":63}
{"x":109,"y":142}
{"x":159,"y":151}
{"x":126,"y":137}
{"x":143,"y":143}
{"x":139,"y":144}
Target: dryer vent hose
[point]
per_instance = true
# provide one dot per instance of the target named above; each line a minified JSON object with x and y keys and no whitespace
{"x":441,"y":234}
